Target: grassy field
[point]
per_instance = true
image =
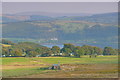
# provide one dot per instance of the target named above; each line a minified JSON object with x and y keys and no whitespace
{"x":84,"y":67}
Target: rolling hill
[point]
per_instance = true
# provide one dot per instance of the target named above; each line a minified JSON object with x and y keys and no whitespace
{"x":96,"y":29}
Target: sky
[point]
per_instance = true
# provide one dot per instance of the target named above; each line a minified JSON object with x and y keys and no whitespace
{"x":60,"y":0}
{"x":59,"y":7}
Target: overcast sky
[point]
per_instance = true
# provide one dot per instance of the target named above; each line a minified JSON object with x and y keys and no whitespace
{"x":59,"y":7}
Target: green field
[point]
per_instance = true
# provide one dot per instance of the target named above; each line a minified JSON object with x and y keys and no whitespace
{"x":84,"y":67}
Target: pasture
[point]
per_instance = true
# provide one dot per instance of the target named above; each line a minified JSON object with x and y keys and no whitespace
{"x":84,"y":67}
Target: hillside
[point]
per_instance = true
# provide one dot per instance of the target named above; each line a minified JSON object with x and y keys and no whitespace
{"x":99,"y":29}
{"x":107,"y":18}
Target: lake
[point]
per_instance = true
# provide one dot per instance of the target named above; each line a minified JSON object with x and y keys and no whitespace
{"x":50,"y":45}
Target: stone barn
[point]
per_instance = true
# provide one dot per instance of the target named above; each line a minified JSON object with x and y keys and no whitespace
{"x":55,"y":66}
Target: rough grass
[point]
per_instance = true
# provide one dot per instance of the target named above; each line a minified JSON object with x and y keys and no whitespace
{"x":62,"y":60}
{"x":20,"y":72}
{"x":12,"y":60}
{"x":82,"y":60}
{"x":102,"y":67}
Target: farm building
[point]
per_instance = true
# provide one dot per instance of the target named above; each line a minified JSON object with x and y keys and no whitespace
{"x":55,"y":66}
{"x":57,"y":54}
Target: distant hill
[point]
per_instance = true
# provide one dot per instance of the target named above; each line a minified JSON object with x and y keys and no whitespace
{"x":52,"y":14}
{"x":107,"y":18}
{"x":96,"y":29}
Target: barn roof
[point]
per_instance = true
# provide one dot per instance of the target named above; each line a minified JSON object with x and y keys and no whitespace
{"x":55,"y":65}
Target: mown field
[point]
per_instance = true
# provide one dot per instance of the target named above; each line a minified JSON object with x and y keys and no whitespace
{"x":84,"y":67}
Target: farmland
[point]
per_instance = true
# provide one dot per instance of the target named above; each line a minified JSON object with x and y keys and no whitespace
{"x":84,"y":67}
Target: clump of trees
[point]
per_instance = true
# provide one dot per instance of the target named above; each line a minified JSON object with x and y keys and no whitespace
{"x":30,"y":49}
{"x":109,"y":51}
{"x":79,"y":51}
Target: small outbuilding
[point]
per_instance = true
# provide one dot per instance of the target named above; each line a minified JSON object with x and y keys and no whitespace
{"x":55,"y":66}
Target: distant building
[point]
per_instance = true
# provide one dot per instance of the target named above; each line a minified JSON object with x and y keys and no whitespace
{"x":55,"y":39}
{"x":57,"y":54}
{"x":38,"y":55}
{"x":3,"y":55}
{"x":71,"y":54}
{"x":52,"y":54}
{"x":61,"y":54}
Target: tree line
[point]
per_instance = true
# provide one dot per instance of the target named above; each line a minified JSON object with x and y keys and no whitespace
{"x":30,"y":49}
